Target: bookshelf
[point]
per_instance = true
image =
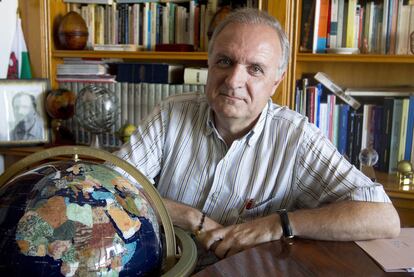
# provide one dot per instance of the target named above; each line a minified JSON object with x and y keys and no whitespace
{"x":41,"y":17}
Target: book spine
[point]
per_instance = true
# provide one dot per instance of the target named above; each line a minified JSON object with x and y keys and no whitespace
{"x":410,"y":128}
{"x":357,"y":140}
{"x":395,"y":132}
{"x":378,"y":115}
{"x":350,"y":135}
{"x":333,"y":24}
{"x":343,"y":127}
{"x":195,"y":75}
{"x":350,"y":24}
{"x":403,"y":130}
{"x":323,"y":27}
{"x":384,"y":155}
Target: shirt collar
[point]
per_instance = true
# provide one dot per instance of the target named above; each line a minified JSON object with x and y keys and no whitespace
{"x":252,"y":136}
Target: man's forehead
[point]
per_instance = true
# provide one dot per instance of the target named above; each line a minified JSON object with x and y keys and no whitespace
{"x":252,"y":45}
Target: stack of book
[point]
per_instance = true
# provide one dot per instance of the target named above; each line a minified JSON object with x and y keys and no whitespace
{"x":84,"y":70}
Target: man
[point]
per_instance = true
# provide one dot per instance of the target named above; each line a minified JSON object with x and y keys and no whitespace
{"x":227,"y":162}
{"x":30,"y":125}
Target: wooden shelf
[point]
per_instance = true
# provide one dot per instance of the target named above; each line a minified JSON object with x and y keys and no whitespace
{"x":359,"y":58}
{"x":391,"y":186}
{"x":141,"y":55}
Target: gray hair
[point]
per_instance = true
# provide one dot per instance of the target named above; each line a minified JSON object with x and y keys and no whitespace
{"x":255,"y":16}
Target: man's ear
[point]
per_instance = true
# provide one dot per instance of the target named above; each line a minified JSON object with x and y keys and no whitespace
{"x":277,"y":82}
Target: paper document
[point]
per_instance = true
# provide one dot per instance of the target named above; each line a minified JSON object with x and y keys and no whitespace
{"x":393,"y":255}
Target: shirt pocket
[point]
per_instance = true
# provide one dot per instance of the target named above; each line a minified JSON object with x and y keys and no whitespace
{"x":260,"y":209}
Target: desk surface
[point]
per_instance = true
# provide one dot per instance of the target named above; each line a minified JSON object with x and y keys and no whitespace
{"x":300,"y":258}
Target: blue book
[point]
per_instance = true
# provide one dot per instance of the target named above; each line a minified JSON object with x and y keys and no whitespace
{"x":318,"y":104}
{"x":343,"y":128}
{"x":160,"y":73}
{"x":377,"y":115}
{"x":410,"y":126}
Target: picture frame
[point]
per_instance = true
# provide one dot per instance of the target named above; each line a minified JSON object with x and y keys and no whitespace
{"x":23,"y":119}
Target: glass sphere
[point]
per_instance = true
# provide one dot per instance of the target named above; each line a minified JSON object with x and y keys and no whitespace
{"x":368,"y":157}
{"x":96,"y":109}
{"x":78,"y":218}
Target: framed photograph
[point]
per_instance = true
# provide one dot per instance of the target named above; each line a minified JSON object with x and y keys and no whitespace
{"x":22,"y":112}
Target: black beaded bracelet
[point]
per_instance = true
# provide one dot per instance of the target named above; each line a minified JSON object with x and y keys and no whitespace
{"x":200,"y":225}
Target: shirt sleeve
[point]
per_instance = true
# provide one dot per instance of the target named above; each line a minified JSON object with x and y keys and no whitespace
{"x":323,"y":175}
{"x":144,"y":149}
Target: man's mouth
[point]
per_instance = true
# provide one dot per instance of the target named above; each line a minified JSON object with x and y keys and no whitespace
{"x":232,"y":97}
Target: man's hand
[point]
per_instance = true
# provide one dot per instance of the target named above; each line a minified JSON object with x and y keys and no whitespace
{"x":232,"y":239}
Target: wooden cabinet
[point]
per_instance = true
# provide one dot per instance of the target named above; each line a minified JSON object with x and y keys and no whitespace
{"x":403,"y":200}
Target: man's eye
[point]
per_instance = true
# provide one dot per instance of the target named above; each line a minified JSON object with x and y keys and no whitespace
{"x":224,"y":61}
{"x":255,"y":69}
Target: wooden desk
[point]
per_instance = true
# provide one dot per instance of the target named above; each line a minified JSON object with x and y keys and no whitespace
{"x":301,"y":258}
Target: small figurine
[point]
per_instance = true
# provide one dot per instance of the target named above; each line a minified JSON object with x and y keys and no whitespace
{"x":405,"y":175}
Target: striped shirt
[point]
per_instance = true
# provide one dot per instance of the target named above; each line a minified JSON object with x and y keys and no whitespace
{"x":283,"y":162}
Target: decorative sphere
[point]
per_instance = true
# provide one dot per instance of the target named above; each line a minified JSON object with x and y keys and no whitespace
{"x":96,"y":108}
{"x":78,"y":218}
{"x":73,"y":32}
{"x":368,"y":157}
{"x":60,"y":103}
{"x":404,"y":167}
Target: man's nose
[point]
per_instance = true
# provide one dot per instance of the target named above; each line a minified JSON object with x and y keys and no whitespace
{"x":237,"y":76}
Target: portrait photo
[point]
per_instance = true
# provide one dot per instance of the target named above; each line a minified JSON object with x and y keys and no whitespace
{"x":24,"y":120}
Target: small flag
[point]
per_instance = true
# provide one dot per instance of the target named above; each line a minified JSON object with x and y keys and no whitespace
{"x":19,"y":64}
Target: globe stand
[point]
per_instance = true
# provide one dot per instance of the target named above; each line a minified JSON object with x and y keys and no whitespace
{"x":60,"y":105}
{"x":368,"y":157}
{"x":60,"y":134}
{"x":95,"y":142}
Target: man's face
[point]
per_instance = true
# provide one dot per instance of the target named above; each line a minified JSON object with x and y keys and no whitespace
{"x":243,"y":71}
{"x":22,"y":107}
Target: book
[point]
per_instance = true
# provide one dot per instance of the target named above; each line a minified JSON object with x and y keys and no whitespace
{"x":322,"y":34}
{"x":395,"y":132}
{"x":401,"y":91}
{"x":384,"y":150}
{"x":149,"y":72}
{"x":105,"y":78}
{"x":195,"y":75}
{"x":342,"y":128}
{"x":307,"y":22}
{"x":403,"y":129}
{"x":350,"y":23}
{"x":333,"y":24}
{"x":116,"y":47}
{"x":325,"y":80}
{"x":107,"y":2}
{"x":81,"y":69}
{"x":410,"y":128}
